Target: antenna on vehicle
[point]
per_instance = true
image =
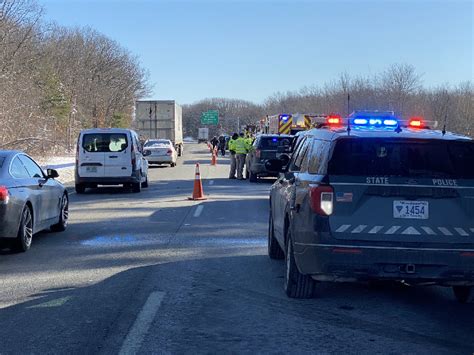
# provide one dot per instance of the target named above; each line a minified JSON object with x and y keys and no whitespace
{"x":348,"y":114}
{"x":444,"y":125}
{"x":445,"y":117}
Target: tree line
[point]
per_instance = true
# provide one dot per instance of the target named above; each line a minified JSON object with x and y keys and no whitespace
{"x":55,"y":80}
{"x":399,"y":88}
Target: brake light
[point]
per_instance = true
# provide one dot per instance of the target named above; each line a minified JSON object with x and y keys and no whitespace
{"x":322,"y":200}
{"x":4,"y":195}
{"x":258,"y":153}
{"x":334,"y":120}
{"x":169,"y":152}
{"x":416,"y":122}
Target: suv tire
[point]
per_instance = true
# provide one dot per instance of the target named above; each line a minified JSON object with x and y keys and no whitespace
{"x":274,"y":249}
{"x":80,"y":188}
{"x":464,"y":294}
{"x":253,"y":177}
{"x":297,"y":285}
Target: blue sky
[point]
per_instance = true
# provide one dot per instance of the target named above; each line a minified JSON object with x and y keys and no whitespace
{"x":252,"y":49}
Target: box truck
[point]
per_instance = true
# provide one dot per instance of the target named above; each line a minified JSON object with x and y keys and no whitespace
{"x":160,"y":119}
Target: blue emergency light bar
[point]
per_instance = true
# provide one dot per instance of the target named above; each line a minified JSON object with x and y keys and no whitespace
{"x":284,"y":117}
{"x":375,"y":119}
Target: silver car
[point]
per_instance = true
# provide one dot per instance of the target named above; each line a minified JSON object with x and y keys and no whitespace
{"x":30,"y":200}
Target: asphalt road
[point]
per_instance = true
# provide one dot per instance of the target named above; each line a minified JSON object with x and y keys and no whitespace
{"x":156,"y":273}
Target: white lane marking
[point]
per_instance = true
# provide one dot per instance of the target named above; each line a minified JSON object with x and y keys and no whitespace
{"x":428,"y":230}
{"x":198,"y":211}
{"x":445,"y":231}
{"x":359,"y":229}
{"x":136,"y":335}
{"x":343,"y":228}
{"x":411,"y":231}
{"x":392,"y":229}
{"x":375,"y":230}
{"x":462,"y":232}
{"x":211,"y":182}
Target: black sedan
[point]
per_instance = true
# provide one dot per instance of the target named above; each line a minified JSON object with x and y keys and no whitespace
{"x":30,"y":200}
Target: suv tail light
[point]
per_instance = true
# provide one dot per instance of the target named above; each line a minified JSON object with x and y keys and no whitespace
{"x":322,"y":200}
{"x":4,"y":195}
{"x":258,"y":153}
{"x":169,"y":152}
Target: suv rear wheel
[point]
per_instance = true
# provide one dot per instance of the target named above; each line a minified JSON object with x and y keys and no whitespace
{"x":80,"y":188}
{"x":463,"y":294}
{"x":253,"y":177}
{"x":297,"y":285}
{"x":274,"y":249}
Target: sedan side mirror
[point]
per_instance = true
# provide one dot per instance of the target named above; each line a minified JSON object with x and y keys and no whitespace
{"x":52,"y":173}
{"x":274,"y":165}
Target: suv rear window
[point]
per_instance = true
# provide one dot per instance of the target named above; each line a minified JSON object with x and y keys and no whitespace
{"x":272,"y":143}
{"x":104,"y":142}
{"x":407,"y":158}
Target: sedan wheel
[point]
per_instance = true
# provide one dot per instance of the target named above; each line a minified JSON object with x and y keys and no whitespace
{"x":63,"y":217}
{"x":25,"y":234}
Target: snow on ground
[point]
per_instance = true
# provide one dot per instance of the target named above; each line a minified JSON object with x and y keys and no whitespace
{"x":63,"y":164}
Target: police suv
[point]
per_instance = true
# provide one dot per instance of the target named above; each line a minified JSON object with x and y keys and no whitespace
{"x":374,"y":197}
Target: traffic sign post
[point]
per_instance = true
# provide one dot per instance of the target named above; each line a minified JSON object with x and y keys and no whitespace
{"x":210,"y":117}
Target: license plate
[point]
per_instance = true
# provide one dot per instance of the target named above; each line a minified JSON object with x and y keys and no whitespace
{"x":411,"y":209}
{"x":91,"y":169}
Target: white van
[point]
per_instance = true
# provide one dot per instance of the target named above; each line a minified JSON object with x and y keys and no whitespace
{"x":110,"y":156}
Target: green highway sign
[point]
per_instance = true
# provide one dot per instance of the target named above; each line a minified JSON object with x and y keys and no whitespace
{"x":210,"y":117}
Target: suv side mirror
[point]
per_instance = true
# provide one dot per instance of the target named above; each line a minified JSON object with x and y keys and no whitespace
{"x":52,"y":173}
{"x":274,"y":165}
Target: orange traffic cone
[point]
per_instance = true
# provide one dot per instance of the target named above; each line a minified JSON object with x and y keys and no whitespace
{"x":214,"y":157}
{"x":198,"y":193}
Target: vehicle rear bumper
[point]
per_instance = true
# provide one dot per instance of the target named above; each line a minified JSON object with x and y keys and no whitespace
{"x":160,"y":159}
{"x":333,"y":262}
{"x":260,"y":169}
{"x":109,"y":180}
{"x":9,"y":220}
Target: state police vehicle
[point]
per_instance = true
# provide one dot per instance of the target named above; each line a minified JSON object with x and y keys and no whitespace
{"x":372,"y":197}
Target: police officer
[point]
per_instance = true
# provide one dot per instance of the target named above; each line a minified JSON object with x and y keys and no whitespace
{"x":233,"y":161}
{"x":241,"y":149}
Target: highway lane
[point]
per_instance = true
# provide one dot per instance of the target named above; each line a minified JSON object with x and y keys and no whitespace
{"x":154,"y":272}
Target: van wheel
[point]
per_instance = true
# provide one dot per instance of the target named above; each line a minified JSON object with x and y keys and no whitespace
{"x":145,"y":183}
{"x":63,"y":216}
{"x":274,"y":249}
{"x":297,"y":285}
{"x":80,"y":189}
{"x":25,"y":233}
{"x":137,"y":186}
{"x":464,"y":294}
